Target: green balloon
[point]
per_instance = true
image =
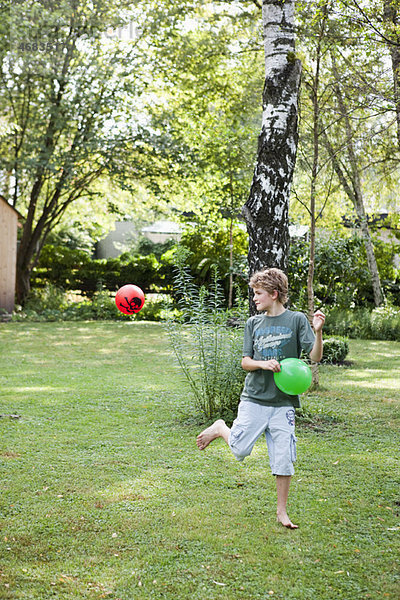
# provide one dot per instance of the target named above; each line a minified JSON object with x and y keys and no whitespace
{"x":294,"y":377}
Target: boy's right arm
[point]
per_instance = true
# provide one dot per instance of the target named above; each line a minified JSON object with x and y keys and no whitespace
{"x":249,"y":364}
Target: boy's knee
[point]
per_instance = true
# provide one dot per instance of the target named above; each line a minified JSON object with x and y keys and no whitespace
{"x":239,"y":456}
{"x":238,"y":445}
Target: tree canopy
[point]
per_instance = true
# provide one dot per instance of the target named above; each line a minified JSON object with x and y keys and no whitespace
{"x":155,"y":108}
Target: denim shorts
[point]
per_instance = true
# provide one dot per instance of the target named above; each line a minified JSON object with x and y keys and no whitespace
{"x":277,"y":423}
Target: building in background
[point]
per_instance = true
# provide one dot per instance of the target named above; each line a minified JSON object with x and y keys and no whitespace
{"x":8,"y":255}
{"x":123,"y":237}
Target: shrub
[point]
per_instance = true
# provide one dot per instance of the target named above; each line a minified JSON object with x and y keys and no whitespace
{"x":159,"y":309}
{"x":382,"y":323}
{"x":208,"y":247}
{"x":103,"y":307}
{"x":53,"y":304}
{"x":385,"y":323}
{"x":342,"y":278}
{"x":335,"y":350}
{"x":206,"y":348}
{"x":59,"y":266}
{"x":50,"y":297}
{"x":73,"y":269}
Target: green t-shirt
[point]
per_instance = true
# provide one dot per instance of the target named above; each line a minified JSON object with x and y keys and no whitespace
{"x":284,"y":336}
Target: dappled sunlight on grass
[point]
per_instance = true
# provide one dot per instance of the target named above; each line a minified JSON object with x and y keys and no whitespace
{"x":368,"y":382}
{"x":128,"y":491}
{"x":34,"y":389}
{"x":105,"y":494}
{"x":376,"y":371}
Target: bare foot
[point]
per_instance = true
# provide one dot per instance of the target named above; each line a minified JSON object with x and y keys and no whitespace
{"x":217,"y":429}
{"x":284,"y":520}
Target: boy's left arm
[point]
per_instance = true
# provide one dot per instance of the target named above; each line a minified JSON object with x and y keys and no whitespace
{"x":318,"y":323}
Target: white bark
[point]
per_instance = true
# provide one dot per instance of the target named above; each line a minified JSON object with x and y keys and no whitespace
{"x":278,"y":24}
{"x":266,"y":210}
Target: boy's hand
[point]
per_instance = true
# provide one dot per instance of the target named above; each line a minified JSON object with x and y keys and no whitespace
{"x":271,"y":365}
{"x":318,"y":320}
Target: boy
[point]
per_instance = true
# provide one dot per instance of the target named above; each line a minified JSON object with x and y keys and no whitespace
{"x":269,"y":337}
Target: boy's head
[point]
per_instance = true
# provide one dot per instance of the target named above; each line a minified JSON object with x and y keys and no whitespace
{"x":271,"y":280}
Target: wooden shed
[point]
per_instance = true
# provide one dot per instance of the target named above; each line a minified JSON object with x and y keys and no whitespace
{"x":8,"y":254}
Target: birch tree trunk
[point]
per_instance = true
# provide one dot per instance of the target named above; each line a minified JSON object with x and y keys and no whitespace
{"x":350,"y":178}
{"x":392,"y":18}
{"x":266,"y":210}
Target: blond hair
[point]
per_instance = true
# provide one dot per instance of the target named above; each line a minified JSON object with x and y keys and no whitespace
{"x":271,"y":280}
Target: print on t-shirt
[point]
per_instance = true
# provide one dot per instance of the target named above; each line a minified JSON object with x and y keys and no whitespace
{"x":269,"y":341}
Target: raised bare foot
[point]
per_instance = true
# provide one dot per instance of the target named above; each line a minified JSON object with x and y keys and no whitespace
{"x":215,"y":430}
{"x":284,"y":520}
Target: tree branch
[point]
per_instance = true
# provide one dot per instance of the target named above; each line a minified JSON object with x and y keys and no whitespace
{"x":370,"y":23}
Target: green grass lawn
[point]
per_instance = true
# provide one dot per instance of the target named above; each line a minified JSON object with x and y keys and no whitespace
{"x":105,"y":495}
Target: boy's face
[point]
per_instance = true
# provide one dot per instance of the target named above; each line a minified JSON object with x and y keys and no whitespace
{"x":263,"y":299}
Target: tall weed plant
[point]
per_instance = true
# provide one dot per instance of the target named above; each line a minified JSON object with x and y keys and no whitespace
{"x":207,"y":349}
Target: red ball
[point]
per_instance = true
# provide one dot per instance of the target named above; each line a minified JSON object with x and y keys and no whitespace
{"x":129,"y":299}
